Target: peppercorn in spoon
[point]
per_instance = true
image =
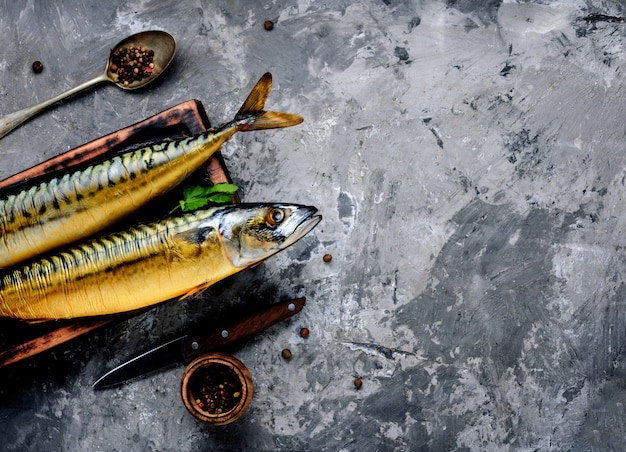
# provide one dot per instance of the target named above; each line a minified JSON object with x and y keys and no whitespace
{"x":134,"y":62}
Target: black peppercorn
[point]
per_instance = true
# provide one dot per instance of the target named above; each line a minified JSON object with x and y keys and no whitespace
{"x":37,"y":67}
{"x":304,"y":333}
{"x":358,"y":383}
{"x":286,"y":353}
{"x":268,"y":25}
{"x":327,"y":258}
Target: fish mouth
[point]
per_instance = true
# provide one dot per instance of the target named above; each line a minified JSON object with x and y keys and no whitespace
{"x":307,"y":218}
{"x":306,"y":224}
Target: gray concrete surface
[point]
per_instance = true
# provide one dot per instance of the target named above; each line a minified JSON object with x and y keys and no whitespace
{"x":468,"y":158}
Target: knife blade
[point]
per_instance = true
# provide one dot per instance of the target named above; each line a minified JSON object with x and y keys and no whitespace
{"x":185,"y":348}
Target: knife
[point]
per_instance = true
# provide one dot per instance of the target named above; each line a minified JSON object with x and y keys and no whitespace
{"x":187,"y":347}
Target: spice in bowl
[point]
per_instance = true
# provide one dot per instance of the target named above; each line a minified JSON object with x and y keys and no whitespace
{"x":217,"y":388}
{"x":131,"y":64}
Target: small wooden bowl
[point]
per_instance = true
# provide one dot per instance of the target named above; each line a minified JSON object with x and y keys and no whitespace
{"x":217,"y":388}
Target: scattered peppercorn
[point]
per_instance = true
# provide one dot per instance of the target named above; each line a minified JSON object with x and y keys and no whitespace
{"x":268,"y":25}
{"x":304,"y":332}
{"x":327,"y":257}
{"x":37,"y":67}
{"x":216,"y":389}
{"x":286,"y":353}
{"x":131,"y":64}
{"x":358,"y":383}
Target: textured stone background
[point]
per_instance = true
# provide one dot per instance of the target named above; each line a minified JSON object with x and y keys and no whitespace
{"x":468,"y":158}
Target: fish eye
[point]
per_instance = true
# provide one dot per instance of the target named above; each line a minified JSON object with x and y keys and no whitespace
{"x":275,"y":216}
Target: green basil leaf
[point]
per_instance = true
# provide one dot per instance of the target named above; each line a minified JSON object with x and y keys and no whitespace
{"x":220,"y":198}
{"x":197,"y":196}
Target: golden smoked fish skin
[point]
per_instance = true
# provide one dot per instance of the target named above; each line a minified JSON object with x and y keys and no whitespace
{"x":79,"y":204}
{"x":147,"y":264}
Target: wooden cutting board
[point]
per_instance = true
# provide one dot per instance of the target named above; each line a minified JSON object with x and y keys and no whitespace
{"x":19,"y":340}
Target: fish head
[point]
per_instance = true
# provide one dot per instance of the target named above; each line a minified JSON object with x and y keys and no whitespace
{"x":251,"y":233}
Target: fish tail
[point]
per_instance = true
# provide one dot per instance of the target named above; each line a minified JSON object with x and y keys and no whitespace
{"x":251,"y":115}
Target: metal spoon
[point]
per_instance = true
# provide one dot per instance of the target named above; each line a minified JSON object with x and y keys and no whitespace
{"x":163,"y":45}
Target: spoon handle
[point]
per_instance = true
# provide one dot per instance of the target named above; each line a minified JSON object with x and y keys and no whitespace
{"x":12,"y":120}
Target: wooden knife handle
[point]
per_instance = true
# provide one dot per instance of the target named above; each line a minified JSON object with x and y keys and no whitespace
{"x":248,"y":326}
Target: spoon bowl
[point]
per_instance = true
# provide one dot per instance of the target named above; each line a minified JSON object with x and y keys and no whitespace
{"x":161,"y":43}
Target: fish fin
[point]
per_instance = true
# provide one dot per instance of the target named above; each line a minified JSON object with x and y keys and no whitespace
{"x":196,"y":291}
{"x":270,"y":120}
{"x":255,"y":101}
{"x":251,"y":115}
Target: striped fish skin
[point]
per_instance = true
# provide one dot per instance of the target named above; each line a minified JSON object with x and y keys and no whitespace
{"x":149,"y":264}
{"x":81,"y":203}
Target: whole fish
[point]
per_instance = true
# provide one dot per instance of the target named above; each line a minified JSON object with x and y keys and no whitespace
{"x":78,"y":204}
{"x":147,"y":264}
